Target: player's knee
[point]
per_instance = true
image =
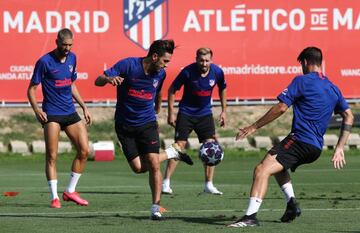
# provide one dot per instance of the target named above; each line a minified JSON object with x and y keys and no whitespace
{"x":51,"y":158}
{"x":153,"y":164}
{"x":260,"y":171}
{"x":84,"y":153}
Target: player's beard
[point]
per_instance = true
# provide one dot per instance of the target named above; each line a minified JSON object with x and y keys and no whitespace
{"x":64,"y":53}
{"x":204,"y":69}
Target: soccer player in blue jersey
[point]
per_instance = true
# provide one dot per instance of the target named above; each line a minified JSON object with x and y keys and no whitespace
{"x":314,"y":99}
{"x":56,"y":72}
{"x":199,"y":80}
{"x":139,"y":81}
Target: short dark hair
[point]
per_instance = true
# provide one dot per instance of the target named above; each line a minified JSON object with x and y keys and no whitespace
{"x":160,"y":47}
{"x":204,"y":51}
{"x":312,"y":55}
{"x":64,"y":33}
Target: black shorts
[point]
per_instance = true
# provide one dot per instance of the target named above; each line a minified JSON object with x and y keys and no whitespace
{"x":138,"y":140}
{"x":64,"y":120}
{"x":204,"y":127}
{"x":292,"y":153}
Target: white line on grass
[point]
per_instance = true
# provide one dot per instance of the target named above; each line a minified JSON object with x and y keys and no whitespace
{"x":145,"y":186}
{"x":110,"y":213}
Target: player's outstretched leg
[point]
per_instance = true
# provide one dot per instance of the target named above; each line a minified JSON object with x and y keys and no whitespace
{"x":175,"y":152}
{"x":292,"y":211}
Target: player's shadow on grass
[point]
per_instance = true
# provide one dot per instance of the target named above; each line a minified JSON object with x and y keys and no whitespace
{"x":22,"y":205}
{"x":60,"y":215}
{"x":328,"y":198}
{"x":306,"y":198}
{"x":347,"y":231}
{"x":220,"y":220}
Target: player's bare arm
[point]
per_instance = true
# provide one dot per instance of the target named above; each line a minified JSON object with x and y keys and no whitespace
{"x":222,"y":120}
{"x":274,"y":112}
{"x":31,"y":93}
{"x":158,"y":100}
{"x":76,"y":95}
{"x":102,"y":80}
{"x":338,"y":158}
{"x":171,"y":100}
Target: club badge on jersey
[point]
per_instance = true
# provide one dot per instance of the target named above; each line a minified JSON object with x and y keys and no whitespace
{"x":155,"y":83}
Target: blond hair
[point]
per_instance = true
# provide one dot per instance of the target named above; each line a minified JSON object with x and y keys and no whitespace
{"x":204,"y":51}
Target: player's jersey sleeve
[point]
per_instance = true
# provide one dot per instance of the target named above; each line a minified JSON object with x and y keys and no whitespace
{"x":292,"y":92}
{"x":341,"y":105}
{"x":180,"y":79}
{"x":119,"y":69}
{"x":74,"y":72}
{"x":161,"y":82}
{"x":221,"y":79}
{"x":39,"y":72}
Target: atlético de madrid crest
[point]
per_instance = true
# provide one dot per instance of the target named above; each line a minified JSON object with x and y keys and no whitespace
{"x":145,"y":21}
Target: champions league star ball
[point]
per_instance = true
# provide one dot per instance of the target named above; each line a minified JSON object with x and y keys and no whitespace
{"x":211,"y":153}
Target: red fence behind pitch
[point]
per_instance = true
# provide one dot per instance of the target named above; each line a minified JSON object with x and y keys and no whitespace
{"x":256,"y":42}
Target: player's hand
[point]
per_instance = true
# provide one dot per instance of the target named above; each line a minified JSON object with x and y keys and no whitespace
{"x":171,"y":120}
{"x":338,"y":158}
{"x":115,"y":81}
{"x":41,"y":116}
{"x":244,"y":132}
{"x":87,"y":115}
{"x":222,"y":119}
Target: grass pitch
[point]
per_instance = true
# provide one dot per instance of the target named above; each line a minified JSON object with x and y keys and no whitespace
{"x":120,"y":200}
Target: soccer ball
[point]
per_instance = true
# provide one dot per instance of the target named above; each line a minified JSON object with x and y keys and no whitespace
{"x":211,"y":153}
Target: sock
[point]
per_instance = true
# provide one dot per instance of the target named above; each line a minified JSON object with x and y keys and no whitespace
{"x":288,"y":191}
{"x":209,"y":184}
{"x":74,"y":178}
{"x":166,"y":182}
{"x":171,"y":152}
{"x":254,"y":205}
{"x":53,"y":189}
{"x":155,"y":208}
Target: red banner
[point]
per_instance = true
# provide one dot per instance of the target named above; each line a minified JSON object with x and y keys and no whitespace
{"x":255,"y":42}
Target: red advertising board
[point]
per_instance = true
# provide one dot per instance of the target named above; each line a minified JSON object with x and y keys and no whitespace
{"x":255,"y":42}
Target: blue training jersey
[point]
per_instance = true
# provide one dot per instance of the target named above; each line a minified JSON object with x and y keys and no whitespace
{"x":56,"y":79}
{"x":196,"y":99}
{"x":314,"y":99}
{"x":136,"y":95}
